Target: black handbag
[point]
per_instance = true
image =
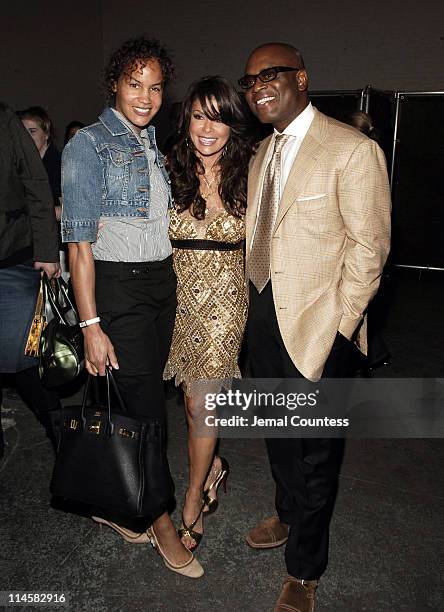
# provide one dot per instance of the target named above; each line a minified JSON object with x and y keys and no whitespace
{"x":112,"y":461}
{"x":61,"y":350}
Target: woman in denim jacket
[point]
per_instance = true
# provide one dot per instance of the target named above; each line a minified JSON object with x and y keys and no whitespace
{"x":123,"y":279}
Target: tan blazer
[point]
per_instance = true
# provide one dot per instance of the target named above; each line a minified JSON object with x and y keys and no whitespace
{"x":331,"y":239}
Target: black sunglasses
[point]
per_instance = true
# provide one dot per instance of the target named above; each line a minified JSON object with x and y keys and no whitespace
{"x":265,"y":75}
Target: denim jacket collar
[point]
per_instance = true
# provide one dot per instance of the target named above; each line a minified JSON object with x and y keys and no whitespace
{"x":118,"y":128}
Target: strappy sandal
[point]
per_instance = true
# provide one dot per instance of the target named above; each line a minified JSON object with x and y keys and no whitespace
{"x":188,"y":530}
{"x":211,"y":502}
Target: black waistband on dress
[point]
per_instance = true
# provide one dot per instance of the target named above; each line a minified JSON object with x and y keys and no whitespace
{"x":207,"y":245}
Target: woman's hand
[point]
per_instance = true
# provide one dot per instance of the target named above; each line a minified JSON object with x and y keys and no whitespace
{"x":99,"y":352}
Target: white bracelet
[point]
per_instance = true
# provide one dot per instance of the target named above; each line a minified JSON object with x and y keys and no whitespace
{"x":89,"y":322}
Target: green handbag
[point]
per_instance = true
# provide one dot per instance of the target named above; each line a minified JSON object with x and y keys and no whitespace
{"x":61,"y":353}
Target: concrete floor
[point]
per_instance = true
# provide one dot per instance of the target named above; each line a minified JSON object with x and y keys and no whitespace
{"x":386,"y":534}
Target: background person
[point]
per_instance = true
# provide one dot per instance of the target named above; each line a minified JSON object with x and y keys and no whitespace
{"x":28,"y":244}
{"x":41,"y":129}
{"x":71,"y":130}
{"x":364,"y":123}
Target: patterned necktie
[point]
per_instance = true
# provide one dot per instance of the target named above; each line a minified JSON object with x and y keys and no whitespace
{"x":259,"y":266}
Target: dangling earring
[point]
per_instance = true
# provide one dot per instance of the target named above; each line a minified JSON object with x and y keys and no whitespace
{"x":187,"y":142}
{"x":224,"y":152}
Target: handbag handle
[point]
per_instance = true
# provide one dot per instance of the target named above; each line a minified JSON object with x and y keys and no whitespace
{"x":37,"y":325}
{"x":53,"y":300}
{"x":109,"y":378}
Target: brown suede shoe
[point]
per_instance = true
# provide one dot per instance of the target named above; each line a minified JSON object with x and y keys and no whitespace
{"x":297,"y":595}
{"x":269,"y":533}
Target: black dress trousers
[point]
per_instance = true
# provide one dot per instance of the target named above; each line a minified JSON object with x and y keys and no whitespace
{"x":137,"y":305}
{"x":305,"y":470}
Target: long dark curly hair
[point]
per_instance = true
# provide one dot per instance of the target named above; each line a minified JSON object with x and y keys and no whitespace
{"x":132,"y":54}
{"x":185,"y":166}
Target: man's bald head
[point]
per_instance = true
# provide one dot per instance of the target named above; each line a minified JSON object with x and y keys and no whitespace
{"x":293,"y":56}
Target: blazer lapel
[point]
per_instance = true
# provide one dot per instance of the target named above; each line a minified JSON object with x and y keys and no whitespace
{"x":308,"y":156}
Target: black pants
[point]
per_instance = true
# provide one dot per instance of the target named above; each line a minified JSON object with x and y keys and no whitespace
{"x":137,"y":304}
{"x":305,"y":470}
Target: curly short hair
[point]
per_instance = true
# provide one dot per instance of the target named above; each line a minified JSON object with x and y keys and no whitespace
{"x":136,"y":52}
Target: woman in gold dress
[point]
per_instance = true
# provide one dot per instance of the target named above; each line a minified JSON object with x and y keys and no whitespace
{"x":208,"y":168}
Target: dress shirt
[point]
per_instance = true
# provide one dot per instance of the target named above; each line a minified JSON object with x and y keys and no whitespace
{"x":297,"y":131}
{"x":138,"y":239}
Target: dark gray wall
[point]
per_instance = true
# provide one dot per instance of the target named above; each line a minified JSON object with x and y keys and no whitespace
{"x":51,"y":55}
{"x":52,"y":51}
{"x":393,"y":44}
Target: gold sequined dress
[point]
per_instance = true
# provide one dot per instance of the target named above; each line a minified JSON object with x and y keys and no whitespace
{"x":211,"y":299}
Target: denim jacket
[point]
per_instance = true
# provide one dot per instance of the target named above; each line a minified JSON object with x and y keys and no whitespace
{"x":105,"y":174}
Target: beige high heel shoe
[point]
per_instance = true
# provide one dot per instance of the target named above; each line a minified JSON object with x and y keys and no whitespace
{"x":191,"y":568}
{"x":127,"y":534}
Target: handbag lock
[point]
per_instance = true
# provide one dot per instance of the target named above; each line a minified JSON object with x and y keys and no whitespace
{"x":127,"y":433}
{"x":95,"y":427}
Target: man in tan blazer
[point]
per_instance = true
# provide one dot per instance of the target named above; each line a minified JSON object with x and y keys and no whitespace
{"x":318,"y":235}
